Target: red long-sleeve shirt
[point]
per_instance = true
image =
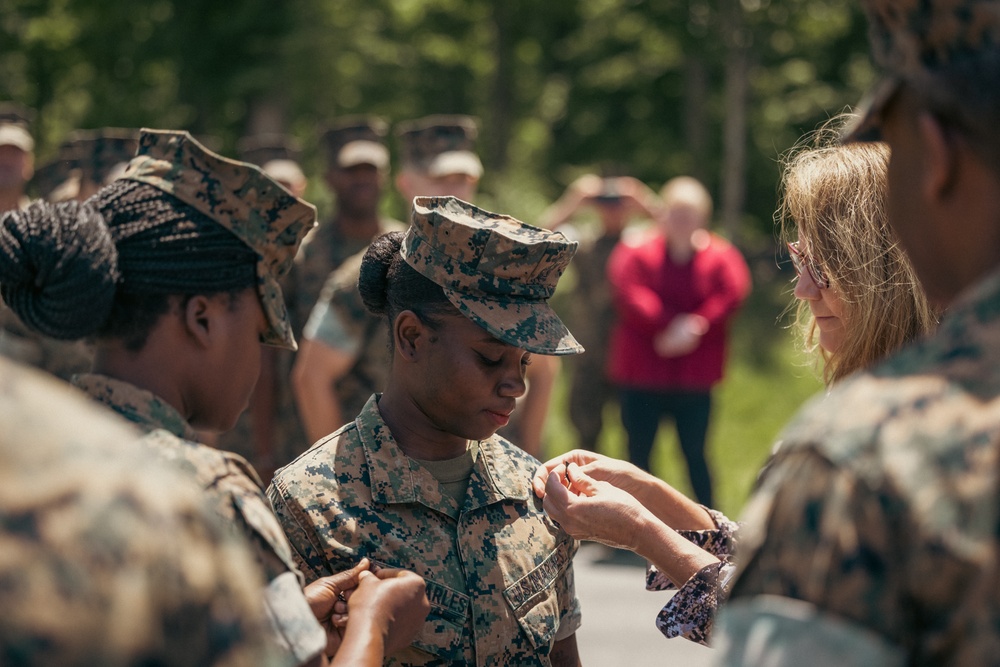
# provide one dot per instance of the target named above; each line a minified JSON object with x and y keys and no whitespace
{"x":650,"y":289}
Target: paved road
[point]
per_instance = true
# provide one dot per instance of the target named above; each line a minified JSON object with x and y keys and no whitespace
{"x":618,"y":616}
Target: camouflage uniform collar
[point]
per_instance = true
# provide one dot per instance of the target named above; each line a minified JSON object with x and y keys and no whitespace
{"x":394,"y":475}
{"x":136,"y":405}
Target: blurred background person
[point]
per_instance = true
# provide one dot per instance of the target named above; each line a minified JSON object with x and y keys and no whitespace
{"x":87,"y":161}
{"x":615,"y":201}
{"x":17,"y":155}
{"x":675,"y":291}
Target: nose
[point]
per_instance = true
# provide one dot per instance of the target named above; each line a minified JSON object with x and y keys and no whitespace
{"x":806,"y":288}
{"x":513,"y":384}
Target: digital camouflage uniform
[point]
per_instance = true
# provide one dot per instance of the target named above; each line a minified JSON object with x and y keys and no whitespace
{"x":498,"y":570}
{"x":268,"y":219}
{"x":875,"y":535}
{"x":105,"y":557}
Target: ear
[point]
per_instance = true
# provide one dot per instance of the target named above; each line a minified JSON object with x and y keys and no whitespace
{"x":199,"y":319}
{"x":940,"y":156}
{"x":409,"y":334}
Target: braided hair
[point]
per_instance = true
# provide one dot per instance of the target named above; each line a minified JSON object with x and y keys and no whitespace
{"x":108,"y":267}
{"x":389,"y":285}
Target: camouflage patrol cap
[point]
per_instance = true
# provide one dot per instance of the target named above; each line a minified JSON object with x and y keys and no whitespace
{"x":15,"y":126}
{"x":102,"y":154}
{"x":260,"y":149}
{"x":498,"y":271}
{"x":440,"y":145}
{"x":944,"y":49}
{"x":239,"y":197}
{"x":354,"y":140}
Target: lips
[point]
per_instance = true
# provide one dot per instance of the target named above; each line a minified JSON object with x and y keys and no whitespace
{"x":502,"y":418}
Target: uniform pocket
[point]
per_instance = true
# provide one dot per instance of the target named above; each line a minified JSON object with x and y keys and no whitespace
{"x":534,"y":601}
{"x":443,"y":631}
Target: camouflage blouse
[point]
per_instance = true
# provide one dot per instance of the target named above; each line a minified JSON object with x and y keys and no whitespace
{"x":499,"y":572}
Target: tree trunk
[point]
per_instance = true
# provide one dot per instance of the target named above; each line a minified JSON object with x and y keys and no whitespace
{"x":733,"y":182}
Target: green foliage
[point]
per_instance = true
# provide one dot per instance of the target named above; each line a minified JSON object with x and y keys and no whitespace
{"x":560,"y":86}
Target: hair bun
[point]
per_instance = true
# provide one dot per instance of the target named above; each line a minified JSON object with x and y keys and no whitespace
{"x":373,"y":281}
{"x":58,"y":268}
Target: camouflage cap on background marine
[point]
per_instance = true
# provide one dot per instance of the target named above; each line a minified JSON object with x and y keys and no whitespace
{"x":498,"y":271}
{"x":277,"y":154}
{"x":102,"y":154}
{"x":15,"y":126}
{"x":440,"y":145}
{"x":948,"y":51}
{"x":241,"y":198}
{"x":354,"y":140}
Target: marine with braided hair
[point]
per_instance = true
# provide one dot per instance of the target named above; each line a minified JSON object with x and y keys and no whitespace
{"x":174,"y":270}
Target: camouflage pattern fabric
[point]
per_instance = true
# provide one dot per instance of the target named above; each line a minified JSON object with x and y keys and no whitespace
{"x":341,"y":321}
{"x":499,"y":572}
{"x":498,"y":271}
{"x":881,"y":506}
{"x":440,"y":145}
{"x":106,"y":558}
{"x":241,"y":198}
{"x":230,"y":486}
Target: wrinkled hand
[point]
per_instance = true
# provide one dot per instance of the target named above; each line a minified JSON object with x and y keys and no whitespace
{"x":681,"y":336}
{"x":327,"y":597}
{"x":622,"y":474}
{"x":395,"y":600}
{"x":589,"y":509}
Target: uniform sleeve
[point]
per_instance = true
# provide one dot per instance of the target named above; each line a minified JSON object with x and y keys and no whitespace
{"x":637,"y":302}
{"x":333,"y":318}
{"x":307,"y":550}
{"x":815,"y":532}
{"x":690,"y":613}
{"x":570,"y":616}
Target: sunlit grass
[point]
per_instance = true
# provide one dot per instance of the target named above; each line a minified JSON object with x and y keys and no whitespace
{"x":767,"y":380}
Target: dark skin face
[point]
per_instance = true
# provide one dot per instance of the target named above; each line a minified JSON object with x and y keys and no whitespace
{"x":202,"y":357}
{"x":449,"y":384}
{"x":358,"y":189}
{"x":942,"y":199}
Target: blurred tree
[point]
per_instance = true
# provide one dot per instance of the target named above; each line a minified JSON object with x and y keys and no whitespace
{"x":654,"y":87}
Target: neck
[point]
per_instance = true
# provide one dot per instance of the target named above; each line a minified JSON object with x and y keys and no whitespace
{"x":683,"y":248}
{"x":357,"y":225}
{"x":141,"y":370}
{"x":10,"y":199}
{"x":416,"y":435}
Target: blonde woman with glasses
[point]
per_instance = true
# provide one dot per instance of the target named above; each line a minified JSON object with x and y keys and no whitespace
{"x":858,"y":301}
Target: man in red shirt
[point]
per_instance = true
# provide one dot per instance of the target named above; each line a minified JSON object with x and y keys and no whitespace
{"x":675,"y":292}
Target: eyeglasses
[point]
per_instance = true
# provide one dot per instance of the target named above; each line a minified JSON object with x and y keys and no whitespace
{"x":803,"y":262}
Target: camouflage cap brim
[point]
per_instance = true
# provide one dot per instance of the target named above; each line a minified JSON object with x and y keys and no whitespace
{"x":868,"y":126}
{"x":16,"y":135}
{"x":455,"y":162}
{"x":238,"y":196}
{"x":279,"y":333}
{"x":363,"y":152}
{"x":527,"y":325}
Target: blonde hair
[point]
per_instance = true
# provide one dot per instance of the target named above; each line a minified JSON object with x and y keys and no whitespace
{"x":687,"y":190}
{"x":834,"y":203}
